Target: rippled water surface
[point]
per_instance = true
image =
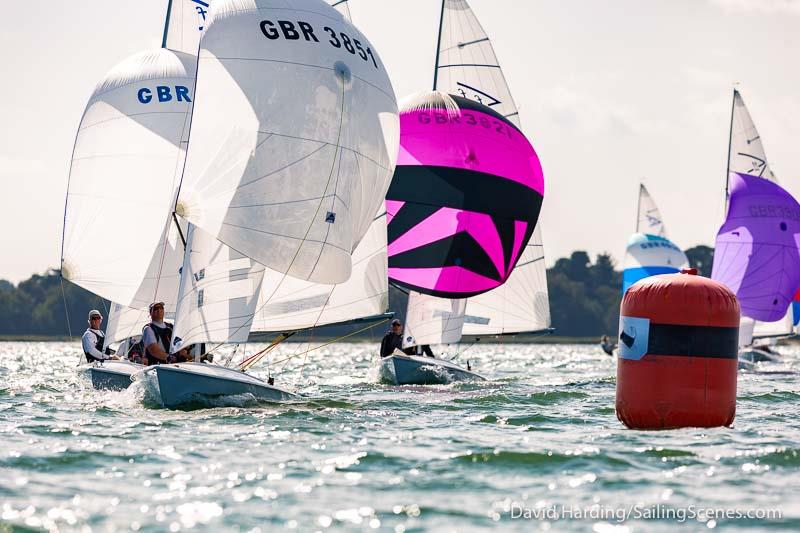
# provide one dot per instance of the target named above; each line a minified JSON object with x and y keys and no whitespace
{"x":541,"y":435}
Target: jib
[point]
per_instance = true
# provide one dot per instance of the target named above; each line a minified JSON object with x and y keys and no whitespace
{"x":164,"y":93}
{"x":288,"y":29}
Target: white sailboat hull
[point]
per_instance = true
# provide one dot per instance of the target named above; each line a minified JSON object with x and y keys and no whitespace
{"x":187,"y":383}
{"x":414,"y":370}
{"x":111,"y":375}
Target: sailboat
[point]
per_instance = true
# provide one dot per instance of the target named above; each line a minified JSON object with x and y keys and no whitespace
{"x":505,"y":292}
{"x":649,"y":252}
{"x":119,"y":240}
{"x":756,"y":252}
{"x":292,"y":148}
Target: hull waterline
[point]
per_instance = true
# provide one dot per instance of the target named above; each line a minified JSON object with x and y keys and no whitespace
{"x":111,"y":375}
{"x":414,"y":370}
{"x":188,"y":383}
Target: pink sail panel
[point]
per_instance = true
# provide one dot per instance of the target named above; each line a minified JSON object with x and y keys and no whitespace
{"x":464,"y":200}
{"x":756,"y":253}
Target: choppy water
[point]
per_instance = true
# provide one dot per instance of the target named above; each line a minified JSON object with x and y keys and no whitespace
{"x":542,"y":435}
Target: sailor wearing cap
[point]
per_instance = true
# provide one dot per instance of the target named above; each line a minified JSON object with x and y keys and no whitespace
{"x":156,"y":336}
{"x":93,"y":339}
{"x":393,"y":340}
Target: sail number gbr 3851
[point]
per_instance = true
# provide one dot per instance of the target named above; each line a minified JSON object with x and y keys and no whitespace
{"x":295,"y":31}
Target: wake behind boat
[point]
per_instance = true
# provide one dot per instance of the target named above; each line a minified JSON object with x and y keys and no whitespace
{"x":184,"y":384}
{"x":402,"y":369}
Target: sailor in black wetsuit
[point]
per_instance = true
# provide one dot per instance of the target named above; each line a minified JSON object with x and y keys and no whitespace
{"x":93,"y":339}
{"x":156,"y":336}
{"x":393,"y":340}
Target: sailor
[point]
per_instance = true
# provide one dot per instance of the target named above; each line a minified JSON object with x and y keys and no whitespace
{"x":607,"y":345}
{"x":393,"y":340}
{"x":156,"y":336}
{"x":93,"y":339}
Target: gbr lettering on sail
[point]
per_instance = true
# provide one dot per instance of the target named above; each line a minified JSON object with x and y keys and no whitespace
{"x":295,"y":31}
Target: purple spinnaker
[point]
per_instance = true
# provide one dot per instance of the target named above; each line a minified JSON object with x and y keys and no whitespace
{"x":756,"y":253}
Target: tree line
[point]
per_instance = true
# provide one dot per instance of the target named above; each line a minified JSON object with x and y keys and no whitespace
{"x":584,"y":299}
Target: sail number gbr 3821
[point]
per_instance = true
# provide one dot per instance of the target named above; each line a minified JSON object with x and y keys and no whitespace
{"x":294,"y":31}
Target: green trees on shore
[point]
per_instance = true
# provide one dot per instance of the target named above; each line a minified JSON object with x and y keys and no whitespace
{"x":584,"y":298}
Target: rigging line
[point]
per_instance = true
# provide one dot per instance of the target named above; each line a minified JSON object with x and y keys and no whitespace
{"x":728,"y":162}
{"x":438,"y":48}
{"x":339,"y":339}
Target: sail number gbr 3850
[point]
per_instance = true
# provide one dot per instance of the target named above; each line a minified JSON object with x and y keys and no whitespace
{"x":294,"y":31}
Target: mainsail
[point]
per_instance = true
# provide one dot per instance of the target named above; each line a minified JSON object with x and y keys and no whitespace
{"x":433,"y":320}
{"x":294,"y":138}
{"x":747,"y":154}
{"x":649,"y":220}
{"x":186,"y":20}
{"x":756,"y":252}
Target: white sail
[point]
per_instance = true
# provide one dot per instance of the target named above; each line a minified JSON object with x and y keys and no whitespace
{"x":433,"y":320}
{"x":294,"y":139}
{"x":123,"y":178}
{"x":747,"y":154}
{"x":218,"y":294}
{"x":467,"y":66}
{"x":186,"y":20}
{"x":521,"y":304}
{"x":650,"y":221}
{"x":288,"y":304}
{"x":125,"y":322}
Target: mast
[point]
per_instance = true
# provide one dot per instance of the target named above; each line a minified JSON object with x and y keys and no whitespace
{"x":166,"y":24}
{"x":728,"y":162}
{"x":639,"y":206}
{"x":438,"y":47}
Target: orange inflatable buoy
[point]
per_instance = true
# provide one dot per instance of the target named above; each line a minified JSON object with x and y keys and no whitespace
{"x":679,"y":336}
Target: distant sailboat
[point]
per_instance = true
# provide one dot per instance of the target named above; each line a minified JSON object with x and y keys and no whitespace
{"x":756,"y":252}
{"x":649,"y":252}
{"x":467,"y":69}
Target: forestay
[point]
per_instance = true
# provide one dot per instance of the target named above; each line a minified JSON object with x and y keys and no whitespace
{"x":288,"y":304}
{"x":123,"y":178}
{"x":747,"y":154}
{"x":294,"y":140}
{"x":186,"y":20}
{"x":756,"y":252}
{"x":649,"y":220}
{"x":218,"y":294}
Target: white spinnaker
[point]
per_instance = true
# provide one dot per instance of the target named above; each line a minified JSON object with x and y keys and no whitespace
{"x":747,"y":154}
{"x":293,"y":141}
{"x":218,"y":294}
{"x":650,"y":221}
{"x":123,"y":177}
{"x":288,"y":304}
{"x":432,"y":320}
{"x":468,"y":66}
{"x":186,"y":20}
{"x":521,"y":304}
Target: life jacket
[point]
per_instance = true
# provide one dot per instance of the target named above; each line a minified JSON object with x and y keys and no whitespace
{"x":164,"y":336}
{"x":97,"y":346}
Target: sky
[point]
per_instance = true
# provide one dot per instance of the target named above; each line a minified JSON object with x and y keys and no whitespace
{"x":610,"y":94}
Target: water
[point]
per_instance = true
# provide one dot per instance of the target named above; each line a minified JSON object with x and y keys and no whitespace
{"x":360,"y":455}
